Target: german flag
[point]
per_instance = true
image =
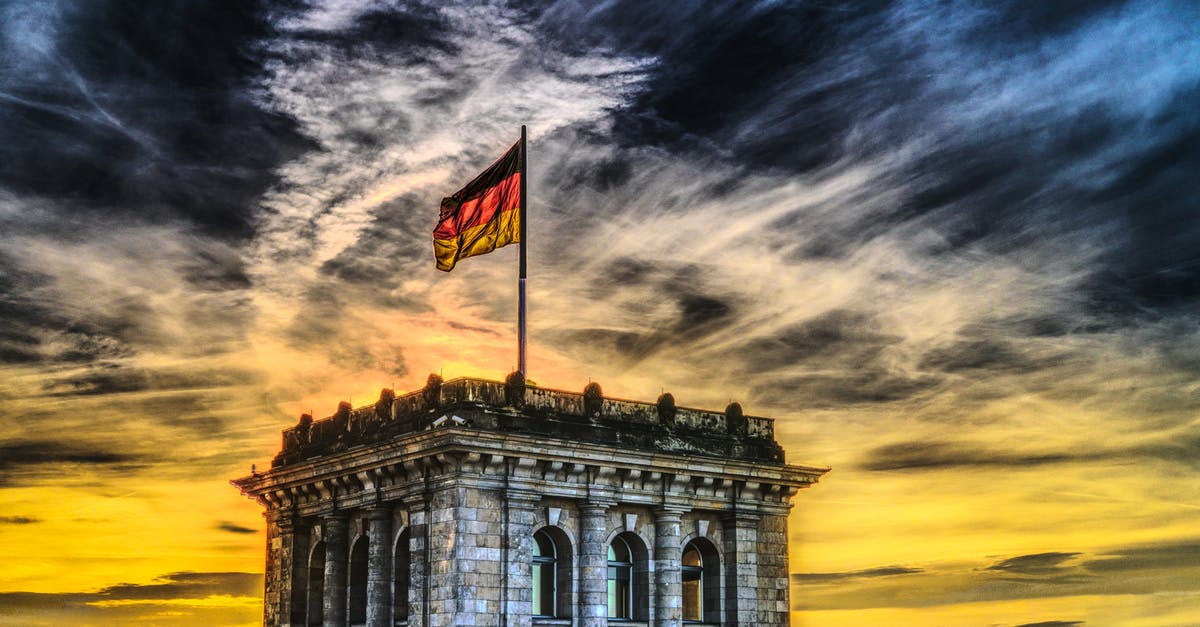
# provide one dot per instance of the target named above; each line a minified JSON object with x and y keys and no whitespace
{"x":482,"y":216}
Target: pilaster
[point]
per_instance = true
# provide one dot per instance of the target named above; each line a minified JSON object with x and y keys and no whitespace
{"x":741,"y":572}
{"x":334,"y":606}
{"x":518,"y":543}
{"x":593,"y":564}
{"x":418,"y":545}
{"x":379,"y":568}
{"x":668,"y":605}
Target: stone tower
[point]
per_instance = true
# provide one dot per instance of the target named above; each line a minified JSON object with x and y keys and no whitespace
{"x":474,"y":502}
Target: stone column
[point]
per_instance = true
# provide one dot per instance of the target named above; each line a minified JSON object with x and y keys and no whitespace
{"x":741,"y":569}
{"x":518,"y":543}
{"x":293,"y":542}
{"x":379,"y":568}
{"x":334,"y":607}
{"x":593,"y":565}
{"x":668,"y":588}
{"x":418,"y":560}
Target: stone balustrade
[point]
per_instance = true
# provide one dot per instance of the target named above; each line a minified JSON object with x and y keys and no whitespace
{"x":533,"y":409}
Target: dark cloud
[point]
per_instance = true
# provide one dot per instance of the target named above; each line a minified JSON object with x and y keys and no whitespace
{"x":174,"y":586}
{"x":941,"y":455}
{"x":868,"y":573}
{"x":848,"y":388}
{"x":22,"y":460}
{"x":19,"y":520}
{"x":188,"y":585}
{"x":931,"y":455}
{"x":113,"y":378}
{"x":797,"y":87}
{"x":1035,"y":564}
{"x":146,"y":108}
{"x":852,"y":340}
{"x":984,"y":356}
{"x":1155,"y":557}
{"x":234,"y":528}
{"x":412,"y":31}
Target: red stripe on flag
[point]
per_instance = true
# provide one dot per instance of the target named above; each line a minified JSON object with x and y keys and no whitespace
{"x":504,"y":196}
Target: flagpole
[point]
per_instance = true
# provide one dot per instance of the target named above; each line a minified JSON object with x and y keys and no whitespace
{"x":521,"y":277}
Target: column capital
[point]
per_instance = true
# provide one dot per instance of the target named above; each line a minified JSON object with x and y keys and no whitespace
{"x":285,"y":519}
{"x":742,"y":517}
{"x":335,"y":520}
{"x":592,"y":505}
{"x":414,"y":500}
{"x":380,"y":512}
{"x":669,"y":512}
{"x":522,"y":498}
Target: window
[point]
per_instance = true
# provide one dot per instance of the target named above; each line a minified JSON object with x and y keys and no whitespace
{"x":693,"y":584}
{"x":551,"y":571}
{"x":401,"y":565}
{"x":356,"y":601}
{"x":701,"y":582}
{"x":545,"y":575}
{"x":620,"y":580}
{"x":316,"y":585}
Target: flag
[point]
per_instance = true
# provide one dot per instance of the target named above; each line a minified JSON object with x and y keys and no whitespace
{"x":482,"y":216}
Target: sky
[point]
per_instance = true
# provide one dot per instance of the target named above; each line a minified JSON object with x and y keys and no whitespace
{"x":953,"y":248}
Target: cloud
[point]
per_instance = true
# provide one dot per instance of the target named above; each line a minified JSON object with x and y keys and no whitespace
{"x":885,"y":571}
{"x":192,"y":598}
{"x":1183,"y":554}
{"x":186,"y":585}
{"x":147,"y":130}
{"x":234,"y":528}
{"x":1054,"y":623}
{"x":941,"y":455}
{"x":23,"y":460}
{"x":19,"y":520}
{"x":1035,"y":564}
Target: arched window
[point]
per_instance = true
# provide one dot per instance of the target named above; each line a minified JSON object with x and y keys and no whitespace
{"x":316,"y":585}
{"x":693,"y":584}
{"x":628,"y":578}
{"x":356,"y":600}
{"x":551,"y":570}
{"x":701,"y":582}
{"x":545,"y":574}
{"x":620,"y":580}
{"x":401,"y":573}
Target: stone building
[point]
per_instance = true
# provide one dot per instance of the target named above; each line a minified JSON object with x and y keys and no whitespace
{"x":474,"y":502}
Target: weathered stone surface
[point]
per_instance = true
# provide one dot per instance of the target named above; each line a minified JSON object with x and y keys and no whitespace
{"x":470,"y":493}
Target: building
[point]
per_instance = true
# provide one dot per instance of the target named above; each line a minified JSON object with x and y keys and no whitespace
{"x":474,"y":502}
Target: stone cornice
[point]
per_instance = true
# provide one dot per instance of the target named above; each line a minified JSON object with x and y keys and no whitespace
{"x":406,"y":466}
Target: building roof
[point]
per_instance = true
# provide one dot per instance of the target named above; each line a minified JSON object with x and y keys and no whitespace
{"x":514,"y":407}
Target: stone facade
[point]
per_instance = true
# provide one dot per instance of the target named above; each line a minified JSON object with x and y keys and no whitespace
{"x":476,"y":502}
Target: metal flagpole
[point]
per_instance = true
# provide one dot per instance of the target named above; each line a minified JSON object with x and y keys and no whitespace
{"x":521,"y":277}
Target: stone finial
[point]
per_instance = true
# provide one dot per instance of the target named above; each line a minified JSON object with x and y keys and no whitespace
{"x":593,"y":399}
{"x":735,"y":420}
{"x":433,"y":389}
{"x":666,"y":409}
{"x":383,"y":406}
{"x":341,"y":418}
{"x":305,"y":423}
{"x":514,"y":389}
